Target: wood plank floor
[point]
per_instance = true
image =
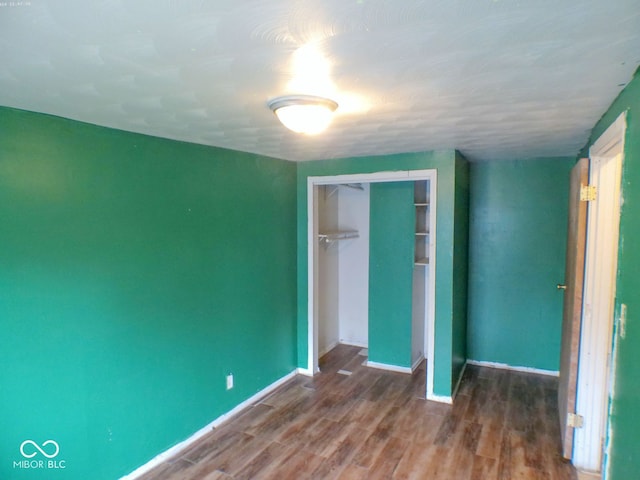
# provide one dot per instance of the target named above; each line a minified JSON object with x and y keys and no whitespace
{"x":374,"y":424}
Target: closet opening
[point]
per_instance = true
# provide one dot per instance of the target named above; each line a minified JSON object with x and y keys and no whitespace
{"x":371,"y":267}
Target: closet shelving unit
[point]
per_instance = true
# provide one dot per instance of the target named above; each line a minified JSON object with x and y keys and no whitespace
{"x":421,"y":204}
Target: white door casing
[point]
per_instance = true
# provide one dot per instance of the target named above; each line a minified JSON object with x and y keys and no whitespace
{"x":603,"y":226}
{"x":312,"y":257}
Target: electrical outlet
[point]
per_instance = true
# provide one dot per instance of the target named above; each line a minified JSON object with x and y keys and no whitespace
{"x":230,"y":381}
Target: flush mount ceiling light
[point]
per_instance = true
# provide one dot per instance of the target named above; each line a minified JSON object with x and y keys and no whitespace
{"x":306,"y":114}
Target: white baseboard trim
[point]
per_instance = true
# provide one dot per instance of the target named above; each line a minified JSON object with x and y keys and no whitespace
{"x":584,"y":475}
{"x":440,"y":399}
{"x":504,"y":366}
{"x":459,"y":381}
{"x":304,"y":371}
{"x":416,"y":364}
{"x":158,"y":459}
{"x":391,"y":368}
{"x":354,"y":344}
{"x":444,"y":398}
{"x":328,"y":348}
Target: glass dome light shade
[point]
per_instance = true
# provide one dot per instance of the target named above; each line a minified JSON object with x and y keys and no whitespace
{"x":305,"y":114}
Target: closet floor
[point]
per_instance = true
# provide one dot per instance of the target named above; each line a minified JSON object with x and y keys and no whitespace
{"x":356,"y":422}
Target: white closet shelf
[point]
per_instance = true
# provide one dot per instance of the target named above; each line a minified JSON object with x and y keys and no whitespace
{"x":422,"y":261}
{"x":422,"y":234}
{"x":421,"y":204}
{"x":329,"y":237}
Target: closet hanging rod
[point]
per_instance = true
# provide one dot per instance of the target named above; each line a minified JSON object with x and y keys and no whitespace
{"x":330,"y":237}
{"x":334,"y":188}
{"x":355,"y":186}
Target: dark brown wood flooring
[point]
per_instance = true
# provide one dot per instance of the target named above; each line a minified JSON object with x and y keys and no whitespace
{"x":374,"y":424}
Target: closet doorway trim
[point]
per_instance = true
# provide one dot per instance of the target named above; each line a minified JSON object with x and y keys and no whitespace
{"x":312,"y":252}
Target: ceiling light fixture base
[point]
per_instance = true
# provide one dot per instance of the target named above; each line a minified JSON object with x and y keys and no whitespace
{"x":307,"y":114}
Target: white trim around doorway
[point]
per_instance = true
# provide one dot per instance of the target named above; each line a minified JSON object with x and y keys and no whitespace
{"x":595,"y":374}
{"x":312,"y":235}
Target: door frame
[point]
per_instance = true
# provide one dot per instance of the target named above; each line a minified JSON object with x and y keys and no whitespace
{"x":596,"y":339}
{"x":312,"y":256}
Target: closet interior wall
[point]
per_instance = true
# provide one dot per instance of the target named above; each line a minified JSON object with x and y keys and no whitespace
{"x":328,"y":257}
{"x":343,"y":266}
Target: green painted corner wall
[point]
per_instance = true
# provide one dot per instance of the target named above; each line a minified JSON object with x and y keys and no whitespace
{"x":517,"y":250}
{"x":391,"y":256}
{"x":444,"y":163}
{"x":623,"y":458}
{"x":136,"y":272}
{"x":460,"y":269}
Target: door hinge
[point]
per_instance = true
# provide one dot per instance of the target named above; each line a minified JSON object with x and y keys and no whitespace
{"x":574,"y":420}
{"x":588,"y":193}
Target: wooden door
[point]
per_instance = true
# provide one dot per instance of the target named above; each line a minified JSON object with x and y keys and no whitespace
{"x":572,"y":312}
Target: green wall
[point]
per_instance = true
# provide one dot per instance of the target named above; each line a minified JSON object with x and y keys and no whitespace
{"x":391,"y":245}
{"x":624,"y":456}
{"x":518,"y":239}
{"x":444,"y":163}
{"x":135,"y":273}
{"x":460,"y":268}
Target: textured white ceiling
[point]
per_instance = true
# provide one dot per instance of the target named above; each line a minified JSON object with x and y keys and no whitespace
{"x":494,"y":79}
